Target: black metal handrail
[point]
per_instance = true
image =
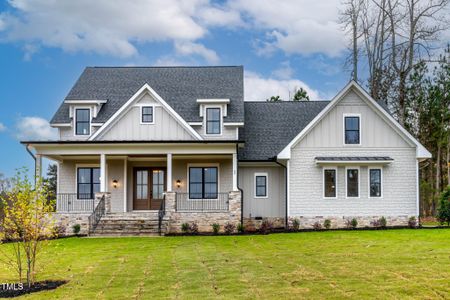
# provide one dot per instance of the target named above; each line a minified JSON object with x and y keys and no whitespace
{"x":161,"y":213}
{"x":97,"y":214}
{"x":73,"y":202}
{"x":214,"y":202}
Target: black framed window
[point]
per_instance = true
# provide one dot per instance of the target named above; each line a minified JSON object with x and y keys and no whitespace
{"x":203,"y":183}
{"x":147,"y":114}
{"x":83,"y":121}
{"x":352,"y":183}
{"x":88,"y":182}
{"x":329,"y":183}
{"x":352,"y":130}
{"x":375,"y":182}
{"x":261,"y":185}
{"x":213,"y":121}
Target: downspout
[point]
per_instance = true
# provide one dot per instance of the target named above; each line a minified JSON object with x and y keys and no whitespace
{"x":242,"y":192}
{"x":286,"y":222}
{"x":27,"y":147}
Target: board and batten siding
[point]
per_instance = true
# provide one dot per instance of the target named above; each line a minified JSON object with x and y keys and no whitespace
{"x":275,"y":203}
{"x":378,"y":138}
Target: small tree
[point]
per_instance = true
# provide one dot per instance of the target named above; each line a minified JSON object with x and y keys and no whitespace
{"x":51,"y":180}
{"x":28,"y":223}
{"x":274,"y":99}
{"x":444,"y":207}
{"x":301,"y":95}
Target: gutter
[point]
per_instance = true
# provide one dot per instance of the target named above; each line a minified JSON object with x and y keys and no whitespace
{"x":239,"y":188}
{"x":27,"y":147}
{"x":286,"y":222}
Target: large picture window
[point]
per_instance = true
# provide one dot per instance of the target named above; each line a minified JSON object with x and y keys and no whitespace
{"x":213,"y":121}
{"x":88,"y":182}
{"x":261,"y":185}
{"x":83,"y":121}
{"x":352,"y":182}
{"x":352,"y":130}
{"x":203,"y":183}
{"x":375,"y":182}
{"x":329,"y":179}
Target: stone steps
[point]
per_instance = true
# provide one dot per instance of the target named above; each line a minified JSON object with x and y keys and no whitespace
{"x":130,"y":224}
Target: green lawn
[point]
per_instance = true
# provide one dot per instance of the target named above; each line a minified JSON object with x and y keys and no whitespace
{"x":317,"y":265}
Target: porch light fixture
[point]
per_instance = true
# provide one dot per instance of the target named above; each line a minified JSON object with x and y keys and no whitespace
{"x":114,"y":183}
{"x":178,"y":183}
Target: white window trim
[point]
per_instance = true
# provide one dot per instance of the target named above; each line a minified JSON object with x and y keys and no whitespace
{"x":335,"y":184}
{"x":202,"y":165}
{"x":343,"y":129}
{"x":141,"y":108}
{"x":75,"y":121}
{"x":359,"y":182}
{"x":267,"y":185}
{"x":77,"y":166}
{"x":381,"y":181}
{"x":206,"y":120}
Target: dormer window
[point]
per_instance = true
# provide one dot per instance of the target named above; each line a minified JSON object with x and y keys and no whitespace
{"x":352,"y":130}
{"x":147,"y":114}
{"x":82,"y":121}
{"x":213,"y":120}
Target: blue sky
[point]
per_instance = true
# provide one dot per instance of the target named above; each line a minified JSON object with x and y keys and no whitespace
{"x":45,"y":45}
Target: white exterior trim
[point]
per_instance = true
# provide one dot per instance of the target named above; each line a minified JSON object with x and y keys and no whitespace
{"x":195,"y":123}
{"x":335,"y":169}
{"x":381,"y":182}
{"x":267,"y":185}
{"x":141,"y":108}
{"x":343,"y":129}
{"x":202,"y":165}
{"x":233,"y":124}
{"x":421,"y":151}
{"x":60,"y":124}
{"x":125,"y":183}
{"x":417,"y":192}
{"x":215,"y":101}
{"x":359,"y":182}
{"x":85,"y":101}
{"x":136,"y":96}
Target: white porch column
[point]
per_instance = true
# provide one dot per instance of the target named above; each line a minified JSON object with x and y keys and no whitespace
{"x":169,"y":172}
{"x":38,"y":167}
{"x":102,"y":173}
{"x":235,"y":170}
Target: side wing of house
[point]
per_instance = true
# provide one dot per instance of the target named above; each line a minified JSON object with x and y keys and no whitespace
{"x":354,"y":162}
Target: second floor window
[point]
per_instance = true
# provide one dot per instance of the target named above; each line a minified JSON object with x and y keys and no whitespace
{"x":213,"y":121}
{"x":352,"y":130}
{"x":147,"y":114}
{"x":83,"y":121}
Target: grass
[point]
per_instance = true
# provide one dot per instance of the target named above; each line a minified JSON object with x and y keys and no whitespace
{"x":389,"y":264}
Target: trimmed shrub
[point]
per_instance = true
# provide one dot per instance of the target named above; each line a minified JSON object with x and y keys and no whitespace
{"x":240,"y":228}
{"x":383,"y":222}
{"x":295,"y":224}
{"x":193,"y":228}
{"x":59,"y":230}
{"x":229,"y":228}
{"x":443,"y":214}
{"x":412,"y":222}
{"x":327,"y":223}
{"x":317,"y":226}
{"x":353,"y":223}
{"x":76,"y":229}
{"x":266,"y":227}
{"x":185,"y":228}
{"x":215,"y":228}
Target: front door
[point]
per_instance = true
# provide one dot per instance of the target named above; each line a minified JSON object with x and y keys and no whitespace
{"x":149,"y":186}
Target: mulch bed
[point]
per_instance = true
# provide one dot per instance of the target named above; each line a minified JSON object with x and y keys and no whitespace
{"x":36,"y":287}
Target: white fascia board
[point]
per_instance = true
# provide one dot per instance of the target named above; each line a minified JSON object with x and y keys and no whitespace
{"x":60,"y":124}
{"x":214,"y":101}
{"x":169,"y":109}
{"x":85,"y":101}
{"x":195,"y":123}
{"x":421,"y":151}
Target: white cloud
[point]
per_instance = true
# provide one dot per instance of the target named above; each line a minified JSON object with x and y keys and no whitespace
{"x":2,"y":127}
{"x":257,"y":87}
{"x":189,"y":48}
{"x":35,"y":128}
{"x":295,"y":26}
{"x":284,"y":72}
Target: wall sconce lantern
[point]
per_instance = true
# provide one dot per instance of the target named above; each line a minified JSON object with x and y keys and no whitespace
{"x":114,"y":183}
{"x":178,"y":183}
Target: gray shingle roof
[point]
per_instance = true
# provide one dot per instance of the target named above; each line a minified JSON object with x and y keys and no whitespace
{"x":180,"y":87}
{"x":270,"y":126}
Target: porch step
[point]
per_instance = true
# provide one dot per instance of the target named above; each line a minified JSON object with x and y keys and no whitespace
{"x":129,"y":224}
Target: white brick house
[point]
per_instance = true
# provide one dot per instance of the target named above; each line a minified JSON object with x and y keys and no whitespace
{"x":169,"y":145}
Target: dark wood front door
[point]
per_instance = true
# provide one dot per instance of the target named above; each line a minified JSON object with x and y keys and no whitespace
{"x":149,"y":186}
